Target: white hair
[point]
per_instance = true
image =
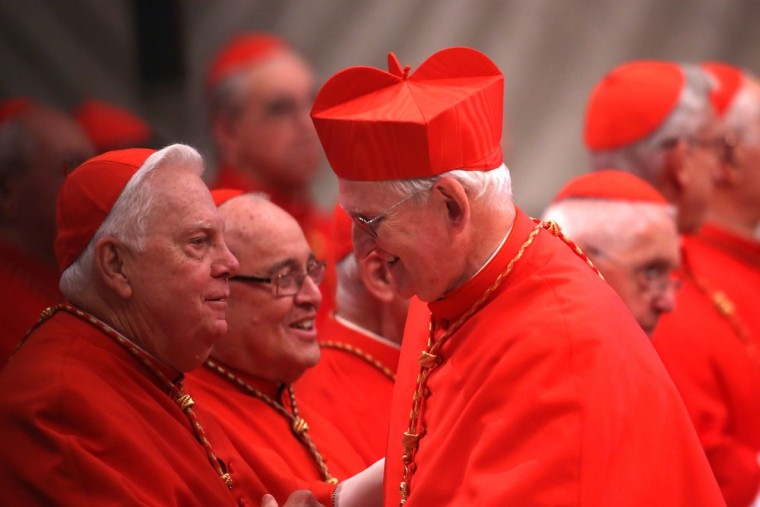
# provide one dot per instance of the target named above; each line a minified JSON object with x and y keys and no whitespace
{"x":493,"y":186}
{"x":225,"y":100}
{"x":606,"y":225}
{"x":130,"y":215}
{"x":692,"y":113}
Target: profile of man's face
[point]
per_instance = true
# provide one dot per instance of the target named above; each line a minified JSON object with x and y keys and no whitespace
{"x":179,"y":280}
{"x":642,"y":273}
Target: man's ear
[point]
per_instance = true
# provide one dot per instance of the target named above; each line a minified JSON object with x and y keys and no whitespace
{"x":109,"y":260}
{"x":374,"y":274}
{"x":454,"y":197}
{"x":676,"y":171}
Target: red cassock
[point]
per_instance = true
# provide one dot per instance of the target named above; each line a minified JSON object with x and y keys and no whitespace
{"x":263,"y":437}
{"x":84,"y":423}
{"x":549,"y":395}
{"x":27,"y":288}
{"x":713,"y":357}
{"x":355,"y":382}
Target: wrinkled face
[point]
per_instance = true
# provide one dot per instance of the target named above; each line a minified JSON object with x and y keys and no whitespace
{"x":643,"y":274}
{"x":274,"y":135}
{"x":180,"y":280}
{"x":410,"y":236}
{"x":271,"y":336}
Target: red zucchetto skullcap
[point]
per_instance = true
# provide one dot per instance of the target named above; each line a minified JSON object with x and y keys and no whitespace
{"x":241,"y":51}
{"x":376,"y":125}
{"x":340,"y":234}
{"x":610,"y":184}
{"x":86,"y":197}
{"x":222,"y":195}
{"x":729,"y":80}
{"x":631,"y":102}
{"x":12,"y":108}
{"x":111,"y":127}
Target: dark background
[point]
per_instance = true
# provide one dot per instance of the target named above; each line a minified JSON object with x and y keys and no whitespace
{"x":151,"y":56}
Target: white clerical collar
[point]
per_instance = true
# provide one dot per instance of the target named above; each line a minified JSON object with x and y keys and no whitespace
{"x":503,"y":240}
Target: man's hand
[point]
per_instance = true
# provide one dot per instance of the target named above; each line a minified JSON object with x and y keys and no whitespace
{"x":300,"y":498}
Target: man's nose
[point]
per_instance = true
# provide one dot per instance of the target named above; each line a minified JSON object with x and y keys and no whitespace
{"x":363,"y":241}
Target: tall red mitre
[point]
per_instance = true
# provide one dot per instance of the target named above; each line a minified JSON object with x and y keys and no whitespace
{"x":376,"y":125}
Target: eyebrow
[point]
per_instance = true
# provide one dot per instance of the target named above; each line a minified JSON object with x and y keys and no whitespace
{"x":289,"y":263}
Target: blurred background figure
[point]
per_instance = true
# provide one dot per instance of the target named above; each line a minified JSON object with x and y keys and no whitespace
{"x":259,"y":91}
{"x":654,"y":119}
{"x":710,"y":345}
{"x":629,"y":232}
{"x":111,"y":127}
{"x":270,"y":343}
{"x":360,"y":345}
{"x":38,"y":144}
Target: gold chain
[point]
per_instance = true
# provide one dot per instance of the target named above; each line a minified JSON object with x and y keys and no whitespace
{"x":362,"y":354}
{"x":297,"y":424}
{"x":175,"y":390}
{"x":726,"y":309}
{"x":431,"y":358}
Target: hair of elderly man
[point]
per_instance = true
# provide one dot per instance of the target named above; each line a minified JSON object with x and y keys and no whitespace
{"x":742,"y":116}
{"x":130,"y":216}
{"x":692,"y":113}
{"x":225,"y":100}
{"x":610,"y":226}
{"x":494,"y":187}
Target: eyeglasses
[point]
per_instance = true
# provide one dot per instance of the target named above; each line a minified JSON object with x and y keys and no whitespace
{"x":715,"y":145}
{"x":289,"y":283}
{"x":370,"y":225}
{"x":656,"y":279}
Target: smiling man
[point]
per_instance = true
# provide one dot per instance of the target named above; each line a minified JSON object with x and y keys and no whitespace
{"x":93,"y":408}
{"x":523,"y":379}
{"x":271,"y":342}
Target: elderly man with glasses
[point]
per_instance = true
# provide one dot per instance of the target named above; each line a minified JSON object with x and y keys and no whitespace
{"x":629,"y":231}
{"x":709,"y":344}
{"x":270,"y":343}
{"x":94,"y":409}
{"x":654,"y":119}
{"x":523,"y":379}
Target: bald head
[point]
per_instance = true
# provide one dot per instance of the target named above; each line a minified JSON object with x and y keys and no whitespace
{"x":253,"y":224}
{"x":274,"y":300}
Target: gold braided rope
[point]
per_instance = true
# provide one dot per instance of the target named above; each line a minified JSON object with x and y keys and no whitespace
{"x":175,"y":391}
{"x":726,"y":309}
{"x":361,"y":354}
{"x":297,"y":424}
{"x":431,"y":358}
